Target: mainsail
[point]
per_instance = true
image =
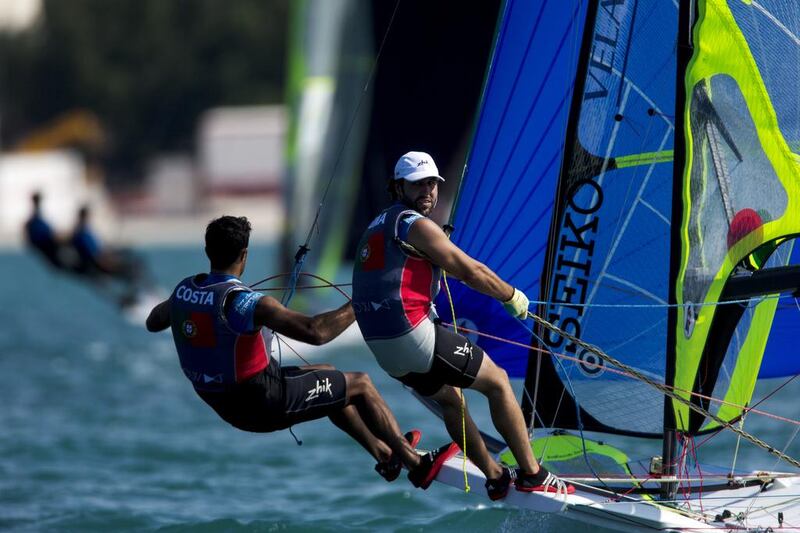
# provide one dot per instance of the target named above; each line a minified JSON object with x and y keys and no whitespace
{"x":624,"y":169}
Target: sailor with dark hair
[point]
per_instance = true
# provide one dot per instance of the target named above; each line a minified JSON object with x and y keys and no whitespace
{"x":41,"y":237}
{"x":104,"y":264}
{"x":87,"y":246}
{"x":217,"y":324}
{"x":97,"y":260}
{"x":82,"y":255}
{"x":400,"y":259}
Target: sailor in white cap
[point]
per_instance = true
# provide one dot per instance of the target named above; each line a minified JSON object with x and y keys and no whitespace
{"x":395,"y":281}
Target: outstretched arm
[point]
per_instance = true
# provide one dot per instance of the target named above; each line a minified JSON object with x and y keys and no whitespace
{"x":429,"y":238}
{"x":315,"y":330}
{"x":158,"y":320}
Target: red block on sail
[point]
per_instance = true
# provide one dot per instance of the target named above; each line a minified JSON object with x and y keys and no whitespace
{"x":744,"y":222}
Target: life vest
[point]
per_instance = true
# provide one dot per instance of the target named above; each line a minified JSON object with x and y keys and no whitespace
{"x":393,"y":289}
{"x":212,"y":355}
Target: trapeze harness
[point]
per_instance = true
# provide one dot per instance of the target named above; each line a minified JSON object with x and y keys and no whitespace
{"x":212,"y":355}
{"x":393,"y":293}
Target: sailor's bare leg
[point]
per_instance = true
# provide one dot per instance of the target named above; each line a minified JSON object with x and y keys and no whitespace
{"x":349,"y":421}
{"x":449,"y":398}
{"x":376,"y":415}
{"x":492,"y":381}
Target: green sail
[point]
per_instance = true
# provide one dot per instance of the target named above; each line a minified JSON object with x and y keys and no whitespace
{"x":740,"y":192}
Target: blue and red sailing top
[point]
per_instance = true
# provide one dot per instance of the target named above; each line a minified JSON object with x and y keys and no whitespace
{"x":39,"y":231}
{"x":393,"y":290}
{"x":85,"y":243}
{"x":217,"y":347}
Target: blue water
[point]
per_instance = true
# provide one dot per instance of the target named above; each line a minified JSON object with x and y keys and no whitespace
{"x":101,"y":432}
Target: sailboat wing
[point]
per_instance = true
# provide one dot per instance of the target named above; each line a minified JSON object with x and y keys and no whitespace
{"x":740,"y":193}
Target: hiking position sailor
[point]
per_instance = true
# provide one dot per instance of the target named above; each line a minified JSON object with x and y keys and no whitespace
{"x":41,"y":237}
{"x":217,"y":326}
{"x":395,"y":280}
{"x":101,"y":264}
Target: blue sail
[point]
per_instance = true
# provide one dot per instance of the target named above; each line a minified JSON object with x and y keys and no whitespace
{"x":505,"y":203}
{"x":780,"y":357}
{"x":579,"y":192}
{"x":777,"y":23}
{"x":590,"y":217}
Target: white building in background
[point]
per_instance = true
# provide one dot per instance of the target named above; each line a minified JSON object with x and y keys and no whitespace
{"x":60,"y":175}
{"x":240,"y":150}
{"x":18,"y":15}
{"x":237,"y":169}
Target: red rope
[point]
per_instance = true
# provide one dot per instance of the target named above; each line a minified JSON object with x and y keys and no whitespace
{"x":626,"y":374}
{"x":699,"y":473}
{"x":745,"y":409}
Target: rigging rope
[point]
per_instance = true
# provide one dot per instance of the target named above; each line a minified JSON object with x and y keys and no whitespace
{"x":577,"y":413}
{"x":664,"y":389}
{"x":326,"y":283}
{"x":460,"y":390}
{"x":747,"y":302}
{"x":277,"y":337}
{"x":300,"y":256}
{"x":738,"y":441}
{"x":626,"y":370}
{"x":626,"y":374}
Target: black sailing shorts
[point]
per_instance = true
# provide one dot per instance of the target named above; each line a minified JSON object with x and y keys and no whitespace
{"x":456,"y":362}
{"x":277,"y":398}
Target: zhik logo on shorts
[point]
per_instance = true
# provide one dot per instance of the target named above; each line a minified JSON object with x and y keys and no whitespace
{"x":315,"y":391}
{"x":465,"y":350}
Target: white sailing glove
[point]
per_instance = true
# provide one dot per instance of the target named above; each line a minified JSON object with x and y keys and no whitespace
{"x":517,"y":305}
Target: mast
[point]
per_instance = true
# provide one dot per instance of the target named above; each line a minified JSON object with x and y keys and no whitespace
{"x":686,"y":17}
{"x":571,"y":145}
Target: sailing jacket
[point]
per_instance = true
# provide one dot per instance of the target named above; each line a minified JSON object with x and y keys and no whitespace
{"x":393,"y":290}
{"x":212,"y":355}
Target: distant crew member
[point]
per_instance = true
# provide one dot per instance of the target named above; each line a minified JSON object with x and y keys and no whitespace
{"x":93,"y":259}
{"x":40,"y":235}
{"x":217,"y":324}
{"x":100,"y":263}
{"x":395,"y":280}
{"x":87,"y":246}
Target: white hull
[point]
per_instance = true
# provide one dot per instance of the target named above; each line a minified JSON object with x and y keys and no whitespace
{"x":136,"y":313}
{"x":760,"y":508}
{"x":299,"y":353}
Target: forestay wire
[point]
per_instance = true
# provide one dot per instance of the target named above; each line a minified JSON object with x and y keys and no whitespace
{"x":300,"y":256}
{"x":664,"y":389}
{"x":628,"y":370}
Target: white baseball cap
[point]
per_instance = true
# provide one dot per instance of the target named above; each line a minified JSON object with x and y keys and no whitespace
{"x":415,"y":166}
